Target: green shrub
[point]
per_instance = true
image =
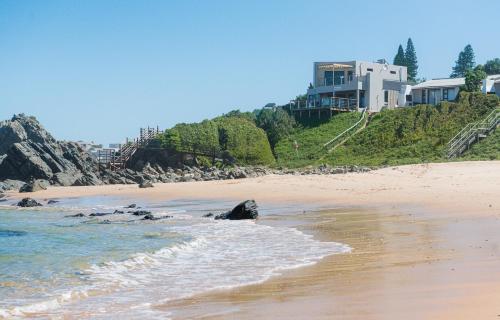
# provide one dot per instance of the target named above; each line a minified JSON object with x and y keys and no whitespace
{"x":237,"y":135}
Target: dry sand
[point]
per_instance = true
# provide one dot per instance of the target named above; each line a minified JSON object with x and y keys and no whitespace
{"x":426,"y":242}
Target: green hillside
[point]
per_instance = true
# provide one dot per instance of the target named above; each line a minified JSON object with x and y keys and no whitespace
{"x":412,"y":135}
{"x":310,"y":139}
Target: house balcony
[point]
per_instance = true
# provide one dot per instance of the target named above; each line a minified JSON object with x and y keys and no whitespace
{"x":351,"y":83}
{"x":331,"y":103}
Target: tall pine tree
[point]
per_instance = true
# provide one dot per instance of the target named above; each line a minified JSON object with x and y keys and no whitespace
{"x":399,"y":59}
{"x":411,"y":60}
{"x":466,"y":61}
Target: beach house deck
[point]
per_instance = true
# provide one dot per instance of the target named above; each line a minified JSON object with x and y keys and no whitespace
{"x":351,"y":86}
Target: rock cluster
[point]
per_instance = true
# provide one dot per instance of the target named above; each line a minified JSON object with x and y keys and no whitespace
{"x":31,"y":159}
{"x":28,"y":152}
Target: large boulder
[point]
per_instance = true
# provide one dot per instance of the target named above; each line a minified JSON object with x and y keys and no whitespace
{"x":245,"y":210}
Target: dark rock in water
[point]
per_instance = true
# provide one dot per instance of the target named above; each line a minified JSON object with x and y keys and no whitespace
{"x":118,"y":212}
{"x":35,"y":185}
{"x":140,"y":212}
{"x":146,"y":184}
{"x":99,"y":214}
{"x":244,"y":210}
{"x":208,"y":215}
{"x":28,"y":202}
{"x":11,"y":233}
{"x":105,"y":222}
{"x":78,"y":215}
{"x":149,"y":216}
{"x":131,"y":206}
{"x":51,"y":201}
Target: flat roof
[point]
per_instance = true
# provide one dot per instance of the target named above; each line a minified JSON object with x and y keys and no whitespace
{"x":438,"y":83}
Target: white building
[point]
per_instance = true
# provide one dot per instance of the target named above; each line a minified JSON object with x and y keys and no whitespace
{"x":436,"y":90}
{"x":491,"y":85}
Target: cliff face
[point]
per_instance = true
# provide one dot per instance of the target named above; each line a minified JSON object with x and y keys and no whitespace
{"x":28,"y":151}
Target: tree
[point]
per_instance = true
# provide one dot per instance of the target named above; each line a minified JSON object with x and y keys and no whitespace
{"x":411,"y":60}
{"x":492,"y":66}
{"x":399,"y":59}
{"x":474,"y":79}
{"x":277,"y":124}
{"x":466,"y":61}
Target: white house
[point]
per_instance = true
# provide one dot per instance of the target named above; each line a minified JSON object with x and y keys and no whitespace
{"x":436,"y":90}
{"x":491,"y":85}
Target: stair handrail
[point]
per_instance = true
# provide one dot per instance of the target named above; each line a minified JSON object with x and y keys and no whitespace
{"x":361,"y":118}
{"x":470,"y":130}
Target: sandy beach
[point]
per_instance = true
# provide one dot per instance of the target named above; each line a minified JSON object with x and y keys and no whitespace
{"x":425,"y":243}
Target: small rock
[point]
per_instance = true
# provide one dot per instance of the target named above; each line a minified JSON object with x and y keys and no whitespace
{"x":140,"y":212}
{"x":99,"y":214}
{"x":28,"y":202}
{"x":35,"y":185}
{"x":118,"y":212}
{"x":52,"y":201}
{"x":78,"y":215}
{"x":131,"y":206}
{"x":146,"y":184}
{"x":208,"y":215}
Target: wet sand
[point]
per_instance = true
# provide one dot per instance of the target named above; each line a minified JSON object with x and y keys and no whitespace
{"x":425,"y":239}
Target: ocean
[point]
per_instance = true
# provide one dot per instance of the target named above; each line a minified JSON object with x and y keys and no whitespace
{"x":119,"y":266}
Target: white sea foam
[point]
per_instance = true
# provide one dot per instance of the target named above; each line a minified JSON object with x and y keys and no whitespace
{"x":221,"y":255}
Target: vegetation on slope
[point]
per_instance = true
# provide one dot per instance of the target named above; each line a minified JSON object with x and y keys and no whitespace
{"x":487,"y":149}
{"x":236,"y":136}
{"x":412,"y":135}
{"x":310,"y":139}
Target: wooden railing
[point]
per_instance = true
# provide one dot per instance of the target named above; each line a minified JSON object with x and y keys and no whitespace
{"x":118,"y":160}
{"x":471,"y":133}
{"x":347,"y":132}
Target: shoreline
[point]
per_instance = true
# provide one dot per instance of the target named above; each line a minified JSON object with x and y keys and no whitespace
{"x":424,"y":241}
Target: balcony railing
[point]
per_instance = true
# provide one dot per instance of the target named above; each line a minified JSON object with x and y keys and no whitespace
{"x":347,"y":104}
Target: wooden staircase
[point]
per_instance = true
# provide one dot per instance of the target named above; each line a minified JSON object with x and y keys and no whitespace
{"x":118,"y":160}
{"x":472,"y":133}
{"x":348,"y":133}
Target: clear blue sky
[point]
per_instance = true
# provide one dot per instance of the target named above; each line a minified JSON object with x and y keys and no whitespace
{"x":99,"y":70}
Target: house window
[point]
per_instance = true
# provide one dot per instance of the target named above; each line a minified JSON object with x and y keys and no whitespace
{"x":328,"y":78}
{"x":349,"y":76}
{"x":369,"y":69}
{"x":445,"y":94}
{"x":424,"y":97}
{"x":409,"y":98}
{"x":386,"y":96}
{"x":393,"y":72}
{"x":338,"y":78}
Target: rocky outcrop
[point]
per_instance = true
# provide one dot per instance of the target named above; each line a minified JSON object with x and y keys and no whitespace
{"x":28,"y":203}
{"x":245,"y":210}
{"x":29,"y":152}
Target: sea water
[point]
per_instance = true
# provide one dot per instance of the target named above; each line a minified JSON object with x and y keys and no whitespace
{"x":118,"y":265}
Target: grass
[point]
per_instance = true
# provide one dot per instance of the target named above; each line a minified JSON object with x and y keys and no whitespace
{"x":310,"y":139}
{"x":393,"y":137}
